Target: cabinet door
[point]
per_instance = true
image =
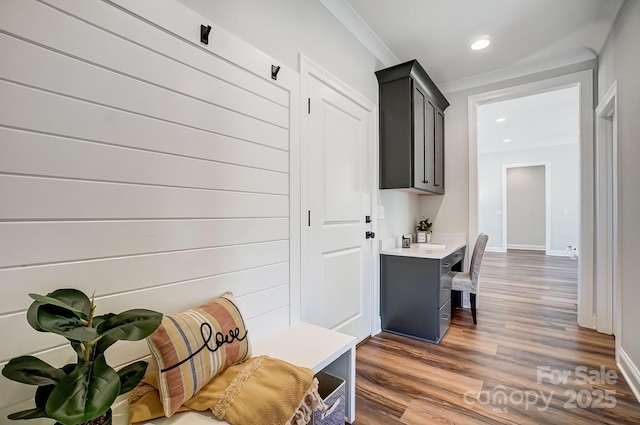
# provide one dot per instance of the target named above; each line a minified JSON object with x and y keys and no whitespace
{"x":430,"y":146}
{"x":396,"y":134}
{"x":419,"y":142}
{"x":438,"y":181}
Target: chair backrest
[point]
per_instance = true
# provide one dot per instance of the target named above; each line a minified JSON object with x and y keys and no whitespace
{"x":476,"y":258}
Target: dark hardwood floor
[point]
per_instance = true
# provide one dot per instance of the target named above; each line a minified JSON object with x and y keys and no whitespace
{"x":525,"y":362}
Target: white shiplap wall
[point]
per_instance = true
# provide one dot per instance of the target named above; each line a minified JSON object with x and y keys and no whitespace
{"x":143,"y":166}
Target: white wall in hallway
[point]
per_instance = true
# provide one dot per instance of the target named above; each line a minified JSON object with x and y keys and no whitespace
{"x":400,"y":211}
{"x":620,"y":61}
{"x":565,"y":192}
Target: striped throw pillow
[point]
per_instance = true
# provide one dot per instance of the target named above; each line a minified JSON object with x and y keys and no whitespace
{"x":194,"y":346}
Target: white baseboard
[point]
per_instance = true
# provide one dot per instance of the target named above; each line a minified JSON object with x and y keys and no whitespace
{"x":377,"y":326}
{"x":557,"y":253}
{"x":527,"y":247}
{"x":495,"y":249}
{"x":630,"y":371}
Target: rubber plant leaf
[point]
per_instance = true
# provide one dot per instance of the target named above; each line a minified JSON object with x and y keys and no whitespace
{"x":71,"y":299}
{"x":84,"y":394}
{"x":32,"y":316}
{"x":64,"y":322}
{"x":97,"y":320}
{"x":35,"y":413}
{"x":33,"y":371}
{"x":131,"y":325}
{"x":104,"y":342}
{"x":131,"y":375}
{"x":42,"y":394}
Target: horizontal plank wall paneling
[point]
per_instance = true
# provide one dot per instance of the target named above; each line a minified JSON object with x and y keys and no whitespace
{"x":119,"y":274}
{"x":29,"y":243}
{"x":141,"y":166}
{"x":155,"y":62}
{"x":36,"y":198}
{"x":90,"y":122}
{"x":78,"y":79}
{"x":30,"y":154}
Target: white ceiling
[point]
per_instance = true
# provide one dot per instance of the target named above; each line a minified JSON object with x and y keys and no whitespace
{"x":439,"y":32}
{"x":544,"y":119}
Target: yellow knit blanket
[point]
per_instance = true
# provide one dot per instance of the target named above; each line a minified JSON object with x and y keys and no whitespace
{"x":260,"y":391}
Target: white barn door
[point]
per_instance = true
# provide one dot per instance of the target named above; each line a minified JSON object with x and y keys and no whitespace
{"x":337,"y":264}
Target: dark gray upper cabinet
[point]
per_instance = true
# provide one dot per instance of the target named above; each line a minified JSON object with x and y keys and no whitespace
{"x":411,"y":130}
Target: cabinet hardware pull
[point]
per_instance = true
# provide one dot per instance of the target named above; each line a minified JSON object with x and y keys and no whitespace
{"x":447,"y":265}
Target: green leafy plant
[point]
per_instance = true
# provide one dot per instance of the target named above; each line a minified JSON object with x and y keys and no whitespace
{"x":80,"y":392}
{"x":425,"y":225}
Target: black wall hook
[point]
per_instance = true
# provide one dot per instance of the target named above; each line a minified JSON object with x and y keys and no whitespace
{"x":204,"y":33}
{"x":274,"y":72}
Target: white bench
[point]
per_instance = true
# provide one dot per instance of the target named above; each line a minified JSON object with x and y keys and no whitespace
{"x":302,"y":344}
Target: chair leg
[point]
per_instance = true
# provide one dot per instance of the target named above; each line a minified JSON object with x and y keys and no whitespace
{"x":472,"y":298}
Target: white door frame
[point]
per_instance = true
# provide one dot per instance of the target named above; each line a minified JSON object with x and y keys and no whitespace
{"x":607,"y":273}
{"x":547,"y":199}
{"x":309,"y":69}
{"x":584,"y":81}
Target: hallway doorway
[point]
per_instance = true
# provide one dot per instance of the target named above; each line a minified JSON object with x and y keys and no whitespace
{"x":525,"y":207}
{"x":579,"y":214}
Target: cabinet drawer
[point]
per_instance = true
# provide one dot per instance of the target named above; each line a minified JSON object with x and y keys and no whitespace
{"x":445,"y":288}
{"x":445,"y":317}
{"x":447,"y":263}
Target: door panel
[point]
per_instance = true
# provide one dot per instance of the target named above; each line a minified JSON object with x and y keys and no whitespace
{"x":438,"y":181}
{"x":419,"y":138}
{"x":342,"y":191}
{"x":342,"y":296}
{"x":429,"y":147}
{"x":336,"y":285}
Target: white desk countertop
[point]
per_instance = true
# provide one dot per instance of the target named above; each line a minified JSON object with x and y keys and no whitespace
{"x":441,"y":245}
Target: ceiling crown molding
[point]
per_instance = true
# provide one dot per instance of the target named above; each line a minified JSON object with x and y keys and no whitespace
{"x":354,"y":23}
{"x":519,"y":70}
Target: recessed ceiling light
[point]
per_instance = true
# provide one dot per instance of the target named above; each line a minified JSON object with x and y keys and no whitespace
{"x":506,"y":140}
{"x":501,"y":119}
{"x":483,"y":43}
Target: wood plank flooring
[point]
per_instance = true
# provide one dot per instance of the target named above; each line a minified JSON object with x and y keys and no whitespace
{"x":492,"y":373}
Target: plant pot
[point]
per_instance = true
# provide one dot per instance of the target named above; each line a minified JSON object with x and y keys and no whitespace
{"x":421,"y":237}
{"x":105,"y":419}
{"x":428,"y":237}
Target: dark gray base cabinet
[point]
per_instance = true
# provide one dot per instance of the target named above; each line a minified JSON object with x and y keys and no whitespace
{"x":415,"y":295}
